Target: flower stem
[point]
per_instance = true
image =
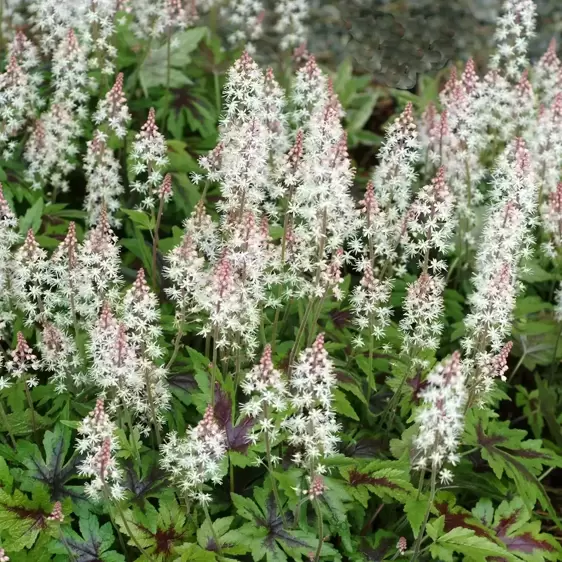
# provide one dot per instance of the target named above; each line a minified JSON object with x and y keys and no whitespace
{"x":320,"y":530}
{"x":270,"y":470}
{"x":155,"y":241}
{"x":168,"y":58}
{"x":30,"y":404}
{"x":7,"y":425}
{"x":210,"y":521}
{"x":370,"y":378}
{"x":300,"y":333}
{"x":125,"y":524}
{"x":426,"y":517}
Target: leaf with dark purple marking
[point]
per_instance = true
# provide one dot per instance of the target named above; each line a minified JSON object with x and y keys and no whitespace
{"x":508,"y":453}
{"x":236,"y":435}
{"x":386,"y":479}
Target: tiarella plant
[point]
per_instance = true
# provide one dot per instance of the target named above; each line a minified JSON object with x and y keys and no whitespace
{"x":237,"y":322}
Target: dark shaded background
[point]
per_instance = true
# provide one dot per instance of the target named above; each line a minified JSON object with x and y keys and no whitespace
{"x":399,"y":39}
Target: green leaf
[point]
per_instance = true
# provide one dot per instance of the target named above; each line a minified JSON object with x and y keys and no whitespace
{"x":532,"y":272}
{"x":415,"y":512}
{"x":342,"y":405}
{"x":507,"y":452}
{"x":465,"y":541}
{"x":358,"y":118}
{"x":32,"y":218}
{"x":161,"y":61}
{"x":386,"y":479}
{"x":142,"y":220}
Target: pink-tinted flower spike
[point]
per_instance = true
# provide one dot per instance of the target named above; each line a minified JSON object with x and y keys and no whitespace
{"x":140,"y":285}
{"x":451,"y":84}
{"x":402,"y":545}
{"x":106,"y":319}
{"x":56,"y":514}
{"x":406,"y":121}
{"x":317,"y":488}
{"x":23,"y":357}
{"x":30,"y":246}
{"x":499,"y":362}
{"x":116,"y":93}
{"x":69,"y":245}
{"x":165,"y":191}
{"x":266,"y":361}
{"x":150,"y":129}
{"x":550,"y":58}
{"x":524,"y":87}
{"x":3,"y":556}
{"x":103,"y":458}
{"x":72,"y":44}
{"x":555,"y":200}
{"x":470,"y":77}
{"x":245,"y":64}
{"x":296,"y":151}
{"x":5,"y":211}
{"x":98,"y":413}
{"x":208,"y":425}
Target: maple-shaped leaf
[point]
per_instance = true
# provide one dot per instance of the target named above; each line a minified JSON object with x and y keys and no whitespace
{"x":376,"y":546}
{"x":236,"y":435}
{"x":508,"y":452}
{"x":158,"y":531}
{"x":386,"y":479}
{"x":23,"y":518}
{"x":265,"y":535}
{"x":229,"y":540}
{"x":148,"y":484}
{"x":456,"y":516}
{"x":56,"y":468}
{"x":511,"y":524}
{"x":92,"y":544}
{"x":508,"y":526}
{"x":463,"y":541}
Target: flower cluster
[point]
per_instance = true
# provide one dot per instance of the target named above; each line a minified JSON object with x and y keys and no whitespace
{"x":268,"y":394}
{"x":196,"y":458}
{"x":149,"y":158}
{"x":98,"y":443}
{"x":440,"y":418}
{"x":313,"y":429}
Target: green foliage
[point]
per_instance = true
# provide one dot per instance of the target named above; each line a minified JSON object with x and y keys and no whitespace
{"x":502,"y":500}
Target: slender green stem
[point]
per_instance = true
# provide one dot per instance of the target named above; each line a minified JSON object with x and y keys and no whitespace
{"x":519,"y":363}
{"x":152,"y":406}
{"x":177,"y":343}
{"x":129,"y":532}
{"x":426,"y":517}
{"x":470,"y":451}
{"x":155,"y":241}
{"x":314,"y":320}
{"x":213,"y":532}
{"x":66,"y":545}
{"x":546,"y":473}
{"x":217,"y":92}
{"x":370,"y":378}
{"x":214,"y":365}
{"x":270,"y":470}
{"x":122,"y":542}
{"x":554,"y":353}
{"x":127,"y":416}
{"x":320,"y":530}
{"x":169,"y":58}
{"x":300,"y":333}
{"x":7,"y":425}
{"x":420,"y":484}
{"x":30,"y":404}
